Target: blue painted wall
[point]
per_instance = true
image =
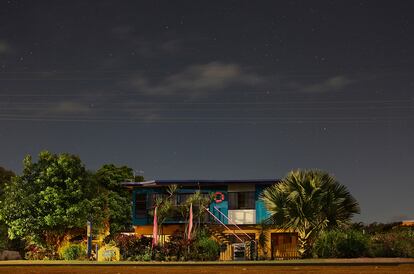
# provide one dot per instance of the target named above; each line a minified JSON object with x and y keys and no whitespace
{"x":261,"y":212}
{"x":223,"y":207}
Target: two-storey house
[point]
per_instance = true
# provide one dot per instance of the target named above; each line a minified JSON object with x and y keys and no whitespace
{"x":235,"y":214}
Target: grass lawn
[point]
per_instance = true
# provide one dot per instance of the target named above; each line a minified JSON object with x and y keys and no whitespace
{"x":217,"y":269}
{"x":321,"y":266}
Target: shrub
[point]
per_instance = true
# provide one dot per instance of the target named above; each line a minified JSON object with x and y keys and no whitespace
{"x":325,"y":245}
{"x":178,"y":247}
{"x":131,"y":246}
{"x":353,"y":244}
{"x":73,"y":252}
{"x":397,"y":243}
{"x":37,"y":252}
{"x":206,"y":249}
{"x":342,"y":244}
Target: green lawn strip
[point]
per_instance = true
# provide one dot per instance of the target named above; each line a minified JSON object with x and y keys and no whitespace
{"x":363,"y":261}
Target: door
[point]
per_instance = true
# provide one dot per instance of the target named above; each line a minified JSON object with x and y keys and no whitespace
{"x":284,"y":245}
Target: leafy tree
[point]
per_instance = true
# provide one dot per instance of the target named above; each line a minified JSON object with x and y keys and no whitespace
{"x":5,"y":178}
{"x":116,"y":198}
{"x":309,"y":202}
{"x":50,"y":200}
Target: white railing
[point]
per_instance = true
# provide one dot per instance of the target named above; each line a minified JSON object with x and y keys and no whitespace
{"x":232,"y":222}
{"x":217,"y":219}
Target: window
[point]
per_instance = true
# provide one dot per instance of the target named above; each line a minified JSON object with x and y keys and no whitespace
{"x":140,"y":205}
{"x":241,"y":200}
{"x":181,"y":198}
{"x":154,"y":197}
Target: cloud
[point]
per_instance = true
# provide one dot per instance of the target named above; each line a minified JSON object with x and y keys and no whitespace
{"x":331,"y":84}
{"x":4,"y":47}
{"x":70,"y":107}
{"x":196,"y":80}
{"x":146,"y":46}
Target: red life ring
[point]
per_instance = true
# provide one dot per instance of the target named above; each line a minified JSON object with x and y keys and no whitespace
{"x":218,"y":197}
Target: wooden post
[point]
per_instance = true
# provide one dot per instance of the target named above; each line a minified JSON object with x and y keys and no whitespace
{"x":89,"y":237}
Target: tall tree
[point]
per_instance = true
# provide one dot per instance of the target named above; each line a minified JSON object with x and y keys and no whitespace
{"x":309,"y":202}
{"x":52,"y":198}
{"x":5,"y":178}
{"x":116,"y":198}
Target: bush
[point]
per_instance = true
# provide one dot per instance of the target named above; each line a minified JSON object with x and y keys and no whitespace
{"x":206,"y":249}
{"x":397,"y":243}
{"x":73,"y":252}
{"x":132,"y":247}
{"x":37,"y":252}
{"x":178,"y":248}
{"x":342,"y":244}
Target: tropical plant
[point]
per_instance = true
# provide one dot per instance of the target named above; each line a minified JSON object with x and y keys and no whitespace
{"x":309,"y":202}
{"x":263,"y":238}
{"x":167,"y":207}
{"x":164,"y":204}
{"x":199,"y":202}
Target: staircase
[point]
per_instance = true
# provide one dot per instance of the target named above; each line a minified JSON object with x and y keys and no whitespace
{"x":230,"y":251}
{"x":219,"y":236}
{"x":226,"y":248}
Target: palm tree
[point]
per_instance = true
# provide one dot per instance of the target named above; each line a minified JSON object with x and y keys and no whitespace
{"x":309,"y":202}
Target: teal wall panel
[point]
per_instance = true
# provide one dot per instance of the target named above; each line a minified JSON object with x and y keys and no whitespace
{"x":261,"y":212}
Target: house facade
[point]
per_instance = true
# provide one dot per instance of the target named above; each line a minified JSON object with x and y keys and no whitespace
{"x":233,"y":216}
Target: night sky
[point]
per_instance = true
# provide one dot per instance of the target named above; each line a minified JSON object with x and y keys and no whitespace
{"x":217,"y":90}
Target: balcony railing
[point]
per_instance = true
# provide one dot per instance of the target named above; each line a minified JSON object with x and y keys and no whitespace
{"x":176,"y":217}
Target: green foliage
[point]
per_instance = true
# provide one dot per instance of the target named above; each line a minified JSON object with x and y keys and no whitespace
{"x":309,"y":202}
{"x":116,"y":198}
{"x":131,"y":247}
{"x":139,"y":178}
{"x":145,"y":257}
{"x":206,"y":249}
{"x":73,"y":252}
{"x":166,"y":207}
{"x":342,"y":244}
{"x":52,"y":197}
{"x":110,"y":176}
{"x":397,"y":243}
{"x":178,"y":248}
{"x":263,"y":237}
{"x":39,"y":252}
{"x":5,"y":178}
{"x":375,"y":228}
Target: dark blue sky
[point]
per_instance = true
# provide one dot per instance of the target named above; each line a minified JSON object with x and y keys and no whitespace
{"x":216,"y":90}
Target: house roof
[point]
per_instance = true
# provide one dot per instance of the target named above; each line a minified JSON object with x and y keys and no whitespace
{"x":199,"y":182}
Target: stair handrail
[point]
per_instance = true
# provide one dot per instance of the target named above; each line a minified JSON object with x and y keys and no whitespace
{"x":233,"y":223}
{"x":217,"y":219}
